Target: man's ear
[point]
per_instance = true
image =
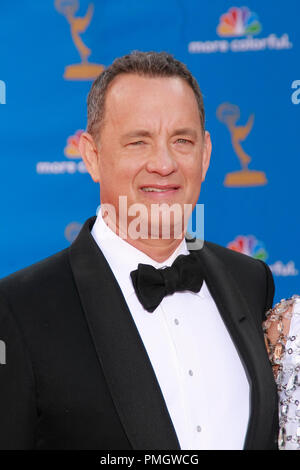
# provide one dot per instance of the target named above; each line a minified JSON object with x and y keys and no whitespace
{"x":90,"y":155}
{"x":206,"y":154}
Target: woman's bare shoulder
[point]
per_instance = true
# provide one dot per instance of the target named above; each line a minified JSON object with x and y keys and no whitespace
{"x":276,"y":328}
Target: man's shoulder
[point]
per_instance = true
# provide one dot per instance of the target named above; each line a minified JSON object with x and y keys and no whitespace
{"x":244,"y":268}
{"x":51,"y":275}
{"x":46,"y":272}
{"x":253,"y":276}
{"x":233,"y":257}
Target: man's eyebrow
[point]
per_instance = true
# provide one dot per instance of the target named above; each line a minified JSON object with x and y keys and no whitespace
{"x":137,"y":133}
{"x":186,"y":131}
{"x":145,"y":133}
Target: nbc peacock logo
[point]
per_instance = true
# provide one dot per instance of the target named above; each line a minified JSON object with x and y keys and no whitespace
{"x":239,"y":31}
{"x":238,"y":22}
{"x":71,"y":150}
{"x":69,"y":166}
{"x":249,"y":245}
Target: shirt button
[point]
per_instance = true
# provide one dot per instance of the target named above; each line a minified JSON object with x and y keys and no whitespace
{"x":176,"y":321}
{"x":199,"y":429}
{"x":191,"y":372}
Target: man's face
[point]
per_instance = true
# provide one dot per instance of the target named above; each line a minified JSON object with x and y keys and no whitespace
{"x":151,"y":147}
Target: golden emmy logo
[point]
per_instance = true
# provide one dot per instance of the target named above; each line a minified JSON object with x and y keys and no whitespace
{"x":84,"y":70}
{"x":229,"y":114}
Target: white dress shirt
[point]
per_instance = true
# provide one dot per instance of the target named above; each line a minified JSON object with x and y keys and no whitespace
{"x":198,"y":369}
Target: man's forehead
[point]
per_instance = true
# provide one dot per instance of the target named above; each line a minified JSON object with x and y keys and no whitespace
{"x":131,"y":83}
{"x":137,"y":101}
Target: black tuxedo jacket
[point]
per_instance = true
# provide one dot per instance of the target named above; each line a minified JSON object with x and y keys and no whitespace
{"x":77,"y":375}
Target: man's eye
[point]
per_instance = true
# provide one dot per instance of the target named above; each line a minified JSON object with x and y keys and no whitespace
{"x":138,"y":142}
{"x":183,"y":141}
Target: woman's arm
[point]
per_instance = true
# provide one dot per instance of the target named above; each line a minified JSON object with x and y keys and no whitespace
{"x":276,"y":330}
{"x":282,"y":337}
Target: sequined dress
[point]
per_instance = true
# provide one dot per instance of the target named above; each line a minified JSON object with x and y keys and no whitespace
{"x":284,"y":355}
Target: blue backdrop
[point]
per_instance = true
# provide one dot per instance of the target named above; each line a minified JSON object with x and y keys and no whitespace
{"x":245,"y":56}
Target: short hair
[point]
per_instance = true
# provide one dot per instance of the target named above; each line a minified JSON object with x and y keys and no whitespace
{"x":147,"y":64}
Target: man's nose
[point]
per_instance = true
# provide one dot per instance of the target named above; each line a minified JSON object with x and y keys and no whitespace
{"x":161,"y":161}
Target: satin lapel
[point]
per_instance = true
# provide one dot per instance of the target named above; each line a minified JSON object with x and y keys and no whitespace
{"x":121,"y":352}
{"x":249,"y":344}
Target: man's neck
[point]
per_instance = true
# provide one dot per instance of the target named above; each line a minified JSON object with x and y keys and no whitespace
{"x":158,"y":249}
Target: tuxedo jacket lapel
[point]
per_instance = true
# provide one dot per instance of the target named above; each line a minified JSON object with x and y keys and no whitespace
{"x":122,"y":356}
{"x":249,"y":343}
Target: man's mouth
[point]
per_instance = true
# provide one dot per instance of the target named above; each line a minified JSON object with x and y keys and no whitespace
{"x":159,"y":189}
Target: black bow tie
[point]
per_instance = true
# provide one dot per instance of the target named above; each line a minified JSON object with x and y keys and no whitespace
{"x":152,"y":285}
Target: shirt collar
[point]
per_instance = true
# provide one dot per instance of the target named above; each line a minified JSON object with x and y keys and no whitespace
{"x":123,"y":257}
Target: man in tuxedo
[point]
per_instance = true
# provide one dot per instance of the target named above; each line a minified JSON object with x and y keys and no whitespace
{"x":139,"y":342}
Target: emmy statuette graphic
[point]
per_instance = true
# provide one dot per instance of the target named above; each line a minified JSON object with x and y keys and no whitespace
{"x":229,"y":114}
{"x":78,"y":25}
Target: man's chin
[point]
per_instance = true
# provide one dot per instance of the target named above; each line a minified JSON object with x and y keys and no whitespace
{"x":155,"y":229}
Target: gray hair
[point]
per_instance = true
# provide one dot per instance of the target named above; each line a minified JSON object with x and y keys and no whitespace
{"x":149,"y":64}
